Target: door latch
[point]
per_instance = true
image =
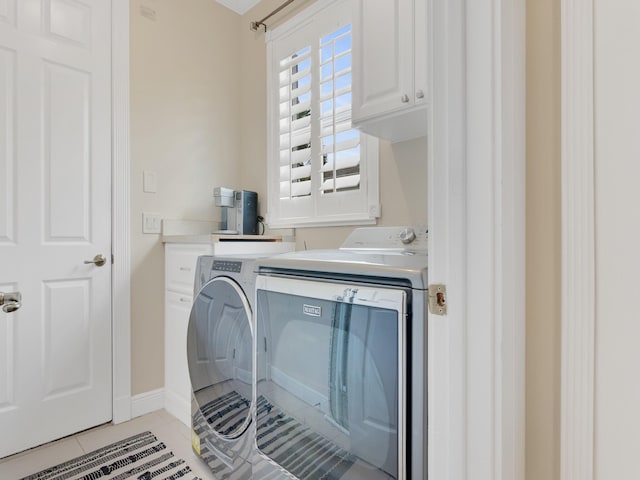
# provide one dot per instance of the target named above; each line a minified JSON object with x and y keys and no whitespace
{"x":437,"y":295}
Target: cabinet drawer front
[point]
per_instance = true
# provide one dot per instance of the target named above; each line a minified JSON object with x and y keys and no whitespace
{"x":180,"y":300}
{"x":180,"y":266}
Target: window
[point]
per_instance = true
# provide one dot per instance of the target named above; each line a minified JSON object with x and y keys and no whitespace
{"x":321,"y":170}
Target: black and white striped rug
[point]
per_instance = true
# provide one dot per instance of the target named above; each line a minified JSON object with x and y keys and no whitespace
{"x":141,"y":457}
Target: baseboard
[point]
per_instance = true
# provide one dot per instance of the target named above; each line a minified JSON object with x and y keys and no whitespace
{"x":122,"y":409}
{"x":178,"y":407}
{"x":147,"y":402}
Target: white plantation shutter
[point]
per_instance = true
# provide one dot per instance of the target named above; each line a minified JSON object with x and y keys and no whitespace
{"x":321,"y":170}
{"x":295,"y":124}
{"x":340,"y":143}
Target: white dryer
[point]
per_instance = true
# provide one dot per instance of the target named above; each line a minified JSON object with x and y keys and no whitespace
{"x":219,"y":354}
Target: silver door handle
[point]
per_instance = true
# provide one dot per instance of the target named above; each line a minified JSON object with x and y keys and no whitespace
{"x":10,"y":301}
{"x":99,"y":260}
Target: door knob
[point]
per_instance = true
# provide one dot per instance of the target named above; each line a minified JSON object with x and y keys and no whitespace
{"x":99,"y":260}
{"x":10,"y":301}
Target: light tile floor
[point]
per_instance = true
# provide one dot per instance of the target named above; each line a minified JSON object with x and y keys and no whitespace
{"x":167,"y":428}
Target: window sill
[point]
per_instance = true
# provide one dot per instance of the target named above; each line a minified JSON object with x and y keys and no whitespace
{"x":314,"y":222}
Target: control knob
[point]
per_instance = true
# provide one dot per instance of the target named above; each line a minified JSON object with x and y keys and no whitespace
{"x":407,"y":236}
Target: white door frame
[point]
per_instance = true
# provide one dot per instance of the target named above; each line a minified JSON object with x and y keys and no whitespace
{"x":578,"y":242}
{"x":477,"y":239}
{"x":121,"y":165}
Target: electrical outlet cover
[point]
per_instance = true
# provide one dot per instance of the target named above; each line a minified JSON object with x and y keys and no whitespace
{"x":151,"y":223}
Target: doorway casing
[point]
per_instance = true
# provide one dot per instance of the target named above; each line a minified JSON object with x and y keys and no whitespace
{"x":476,"y":215}
{"x":477,"y":239}
{"x":121,"y":213}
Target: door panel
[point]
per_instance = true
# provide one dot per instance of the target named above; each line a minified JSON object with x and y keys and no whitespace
{"x":7,"y":356}
{"x":55,"y":184}
{"x":66,"y":154}
{"x":69,"y":21}
{"x":8,"y":11}
{"x":383,"y":72}
{"x":7,"y":151}
{"x":65,"y":306}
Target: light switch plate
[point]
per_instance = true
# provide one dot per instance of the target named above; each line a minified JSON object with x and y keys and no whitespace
{"x":151,"y":223}
{"x":150,"y":182}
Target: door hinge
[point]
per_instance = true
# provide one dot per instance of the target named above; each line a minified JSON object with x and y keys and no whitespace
{"x":437,"y":295}
{"x":113,"y":259}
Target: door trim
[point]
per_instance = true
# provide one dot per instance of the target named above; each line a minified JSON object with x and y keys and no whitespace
{"x":578,"y":241}
{"x":476,"y":179}
{"x":121,"y":212}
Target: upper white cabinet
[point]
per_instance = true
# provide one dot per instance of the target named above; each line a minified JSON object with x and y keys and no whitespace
{"x":390,"y":68}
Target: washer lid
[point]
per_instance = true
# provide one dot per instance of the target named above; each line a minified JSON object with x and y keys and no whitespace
{"x":370,"y":263}
{"x":219,"y":345}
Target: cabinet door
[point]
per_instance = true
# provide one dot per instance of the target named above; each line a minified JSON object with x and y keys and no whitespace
{"x":383,"y":74}
{"x":176,"y":376}
{"x":420,"y":51}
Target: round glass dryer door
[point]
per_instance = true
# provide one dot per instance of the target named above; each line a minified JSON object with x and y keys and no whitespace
{"x":219,"y":342}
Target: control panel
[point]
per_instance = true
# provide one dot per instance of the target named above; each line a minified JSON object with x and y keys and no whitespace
{"x":412,"y":239}
{"x":227,"y":266}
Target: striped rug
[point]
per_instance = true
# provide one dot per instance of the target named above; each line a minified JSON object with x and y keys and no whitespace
{"x":141,"y":457}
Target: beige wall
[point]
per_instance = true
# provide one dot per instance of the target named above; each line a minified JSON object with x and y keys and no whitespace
{"x":184,"y":127}
{"x":403,"y":166}
{"x":543,"y":241}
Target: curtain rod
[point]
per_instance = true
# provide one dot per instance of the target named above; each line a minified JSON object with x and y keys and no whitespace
{"x":256,"y":25}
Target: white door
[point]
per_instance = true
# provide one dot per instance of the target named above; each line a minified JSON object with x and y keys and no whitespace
{"x":617,"y":159}
{"x":55,"y":195}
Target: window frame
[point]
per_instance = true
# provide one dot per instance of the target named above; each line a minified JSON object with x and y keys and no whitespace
{"x":316,"y":209}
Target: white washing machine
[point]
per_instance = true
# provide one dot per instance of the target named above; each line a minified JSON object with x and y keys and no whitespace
{"x":219,"y":353}
{"x":324,"y":377}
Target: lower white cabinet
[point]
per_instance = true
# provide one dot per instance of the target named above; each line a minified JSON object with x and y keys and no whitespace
{"x":180,"y":268}
{"x":176,"y":373}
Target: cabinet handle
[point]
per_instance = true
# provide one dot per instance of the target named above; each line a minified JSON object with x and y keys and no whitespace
{"x":405,"y":98}
{"x":420,"y":94}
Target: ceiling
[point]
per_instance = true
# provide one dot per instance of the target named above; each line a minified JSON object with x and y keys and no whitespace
{"x":239,"y":6}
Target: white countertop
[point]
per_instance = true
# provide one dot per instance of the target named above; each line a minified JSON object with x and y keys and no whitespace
{"x":216,"y":238}
{"x":197,"y":231}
